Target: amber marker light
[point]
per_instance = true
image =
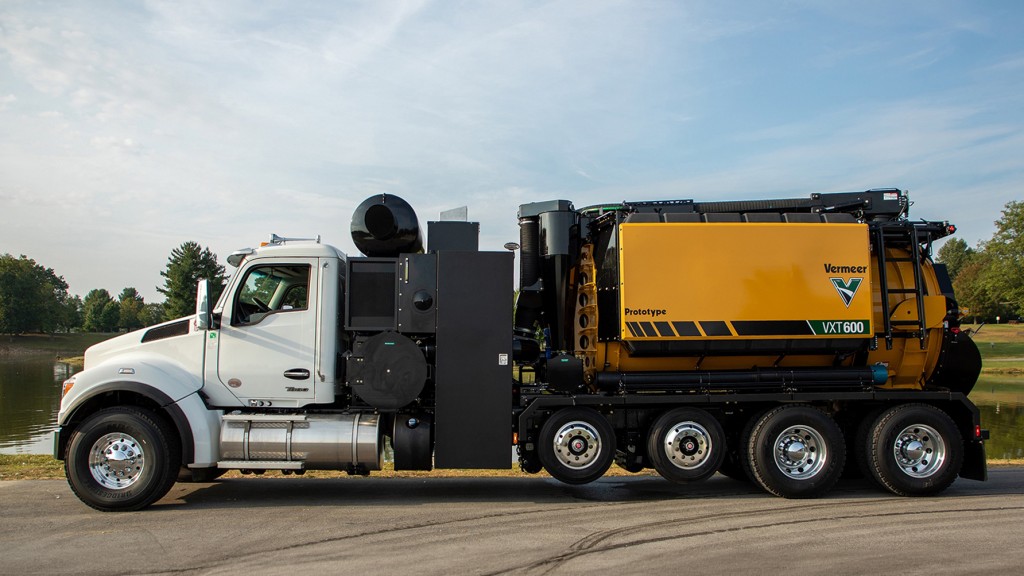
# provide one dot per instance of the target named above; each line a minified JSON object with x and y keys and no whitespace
{"x":66,"y":387}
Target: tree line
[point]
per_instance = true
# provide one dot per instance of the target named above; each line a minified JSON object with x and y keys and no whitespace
{"x":989,"y":279}
{"x":34,"y":298}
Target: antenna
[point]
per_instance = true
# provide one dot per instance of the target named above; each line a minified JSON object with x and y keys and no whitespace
{"x":275,"y":239}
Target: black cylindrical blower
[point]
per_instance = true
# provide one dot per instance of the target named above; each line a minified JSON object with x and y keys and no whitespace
{"x":386,"y":226}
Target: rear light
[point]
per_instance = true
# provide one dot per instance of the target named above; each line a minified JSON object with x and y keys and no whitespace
{"x":977,"y":431}
{"x":951,"y":229}
{"x":955,"y":330}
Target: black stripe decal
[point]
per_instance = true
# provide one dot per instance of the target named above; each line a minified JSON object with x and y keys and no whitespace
{"x":715,"y":328}
{"x":634,"y":329}
{"x":664,"y":329}
{"x":686,"y":328}
{"x":742,"y":328}
{"x":772,"y":328}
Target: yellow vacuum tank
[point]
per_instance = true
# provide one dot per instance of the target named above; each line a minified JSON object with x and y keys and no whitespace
{"x":739,"y":298}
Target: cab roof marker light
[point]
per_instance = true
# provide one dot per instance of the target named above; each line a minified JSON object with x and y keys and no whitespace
{"x":236,"y":257}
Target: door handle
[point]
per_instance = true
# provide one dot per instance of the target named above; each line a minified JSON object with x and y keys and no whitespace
{"x":296,"y":374}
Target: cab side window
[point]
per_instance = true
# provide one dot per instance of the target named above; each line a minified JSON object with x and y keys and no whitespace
{"x":269,"y":290}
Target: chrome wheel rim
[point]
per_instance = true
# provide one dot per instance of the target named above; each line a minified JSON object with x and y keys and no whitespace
{"x":800,"y":452}
{"x":577,"y":445}
{"x":116,"y":461}
{"x":687,"y":445}
{"x":919,"y":450}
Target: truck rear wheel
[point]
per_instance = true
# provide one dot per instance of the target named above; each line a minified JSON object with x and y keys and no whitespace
{"x":122,"y":459}
{"x":914,"y":450}
{"x":686,"y":445}
{"x":796,"y":451}
{"x":577,"y":445}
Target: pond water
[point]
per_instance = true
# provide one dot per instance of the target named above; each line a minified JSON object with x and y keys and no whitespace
{"x":30,"y":398}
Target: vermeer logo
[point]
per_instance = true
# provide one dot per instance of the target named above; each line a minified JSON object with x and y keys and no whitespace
{"x":847,"y":290}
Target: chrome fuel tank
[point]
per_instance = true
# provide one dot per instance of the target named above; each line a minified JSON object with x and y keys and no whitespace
{"x":301,"y":441}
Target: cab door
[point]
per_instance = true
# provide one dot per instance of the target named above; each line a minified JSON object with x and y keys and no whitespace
{"x":267,"y":351}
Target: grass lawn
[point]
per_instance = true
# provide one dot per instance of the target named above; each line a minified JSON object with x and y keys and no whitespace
{"x":999,"y":340}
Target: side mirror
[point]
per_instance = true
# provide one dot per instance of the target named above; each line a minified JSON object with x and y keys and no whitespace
{"x":203,"y":316}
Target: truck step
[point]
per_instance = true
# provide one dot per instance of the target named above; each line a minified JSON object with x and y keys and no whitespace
{"x":262,"y":464}
{"x":264,"y":418}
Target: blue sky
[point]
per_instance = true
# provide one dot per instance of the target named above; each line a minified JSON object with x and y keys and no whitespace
{"x":127,"y":128}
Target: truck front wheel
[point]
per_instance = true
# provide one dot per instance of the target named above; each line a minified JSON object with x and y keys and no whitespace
{"x":686,"y":445}
{"x":914,"y":450}
{"x":577,"y":445}
{"x":796,"y":451}
{"x":121,"y":459}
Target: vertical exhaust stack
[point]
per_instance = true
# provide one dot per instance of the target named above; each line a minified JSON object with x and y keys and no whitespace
{"x":549,"y":236}
{"x":386,"y":226}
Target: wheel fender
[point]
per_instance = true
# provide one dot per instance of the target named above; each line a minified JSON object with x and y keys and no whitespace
{"x":165,"y":383}
{"x":204,"y":429}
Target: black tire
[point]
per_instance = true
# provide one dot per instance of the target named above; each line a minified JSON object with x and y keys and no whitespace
{"x":796,"y":451}
{"x":732,"y":467}
{"x":529,"y":462}
{"x":686,"y":445}
{"x":576,"y":445}
{"x":915,"y":450}
{"x":861,"y":447}
{"x":122,"y":459}
{"x":738,"y":460}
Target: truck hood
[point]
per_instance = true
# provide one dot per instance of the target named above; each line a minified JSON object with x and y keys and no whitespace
{"x":149,"y":338}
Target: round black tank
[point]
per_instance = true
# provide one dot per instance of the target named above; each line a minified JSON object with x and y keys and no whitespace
{"x":386,"y":226}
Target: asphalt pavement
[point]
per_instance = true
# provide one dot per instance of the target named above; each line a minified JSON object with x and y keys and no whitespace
{"x":635,"y":525}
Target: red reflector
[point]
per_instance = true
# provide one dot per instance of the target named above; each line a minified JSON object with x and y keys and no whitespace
{"x":977,"y":431}
{"x":954,"y":330}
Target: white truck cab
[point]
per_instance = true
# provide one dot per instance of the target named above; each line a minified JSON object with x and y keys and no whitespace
{"x":274,"y":330}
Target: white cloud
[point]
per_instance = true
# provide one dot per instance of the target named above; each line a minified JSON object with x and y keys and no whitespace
{"x":132,"y":128}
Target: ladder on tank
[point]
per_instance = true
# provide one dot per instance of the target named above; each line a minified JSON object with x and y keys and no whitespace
{"x":899,"y":234}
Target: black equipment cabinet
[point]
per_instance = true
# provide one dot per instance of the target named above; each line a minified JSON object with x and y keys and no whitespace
{"x":473,"y":412}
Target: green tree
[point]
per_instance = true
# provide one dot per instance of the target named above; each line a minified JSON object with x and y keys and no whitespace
{"x":110,"y":316}
{"x":1006,"y":251}
{"x":130,"y":306}
{"x":151,"y":313}
{"x":71,"y":316}
{"x":94,"y":306}
{"x":186,"y":266}
{"x":972,"y":293}
{"x":32,"y":297}
{"x":955,"y":254}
